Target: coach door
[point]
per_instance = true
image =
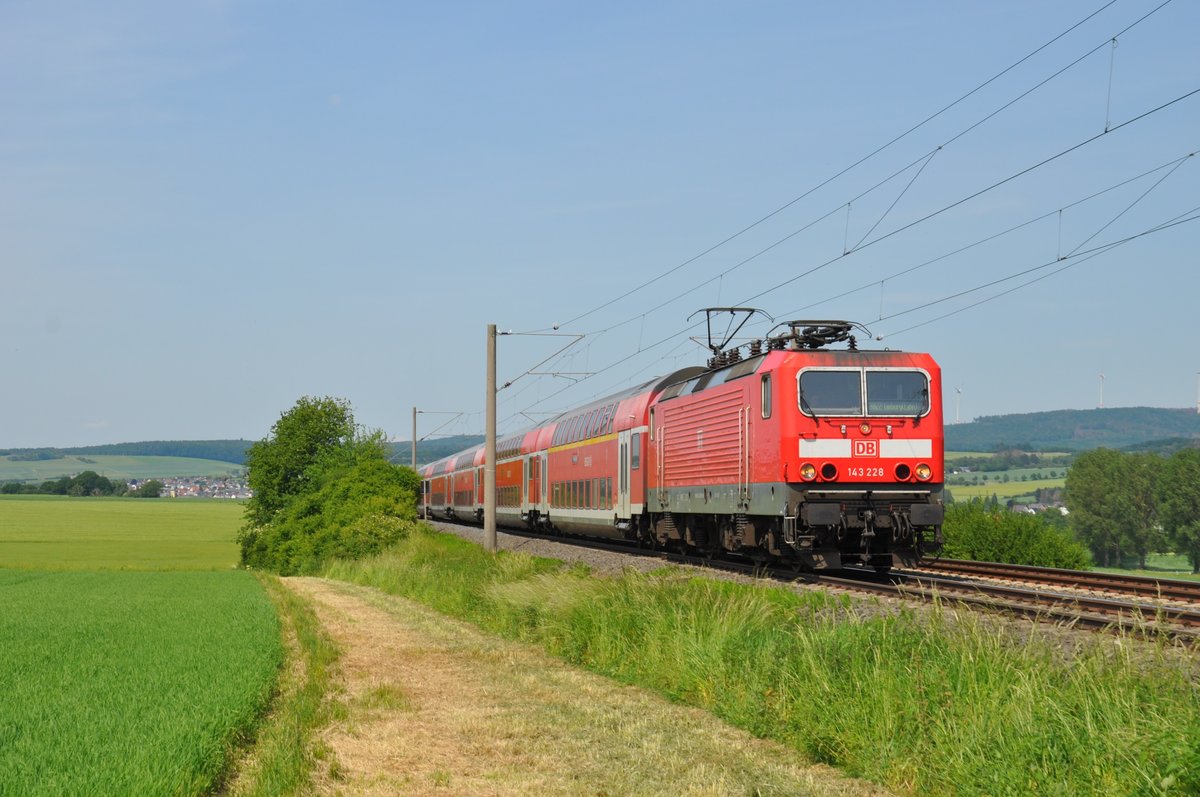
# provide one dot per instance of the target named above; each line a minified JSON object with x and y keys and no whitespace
{"x":544,"y":477}
{"x":624,"y":454}
{"x":529,"y":494}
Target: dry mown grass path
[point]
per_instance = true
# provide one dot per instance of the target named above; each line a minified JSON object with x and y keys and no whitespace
{"x":435,"y":706}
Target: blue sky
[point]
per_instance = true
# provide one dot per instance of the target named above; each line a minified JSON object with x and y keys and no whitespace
{"x":209,"y":209}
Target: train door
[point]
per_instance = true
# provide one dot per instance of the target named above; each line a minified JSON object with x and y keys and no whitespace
{"x":544,"y":476}
{"x":477,"y":488}
{"x":624,"y":453}
{"x":529,"y":480}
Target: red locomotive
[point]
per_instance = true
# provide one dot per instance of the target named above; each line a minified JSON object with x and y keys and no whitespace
{"x":794,"y":452}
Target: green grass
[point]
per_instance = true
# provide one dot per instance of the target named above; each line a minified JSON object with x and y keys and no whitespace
{"x":1159,"y":565}
{"x":929,"y":703}
{"x":53,"y":532}
{"x":114,"y":467}
{"x":122,"y":683}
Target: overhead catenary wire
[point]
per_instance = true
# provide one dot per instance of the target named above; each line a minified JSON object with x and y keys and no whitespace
{"x":1076,"y":259}
{"x":863,"y":242}
{"x":987,"y":239}
{"x":849,"y":168}
{"x":974,"y":195}
{"x":923,"y":159}
{"x":746,"y":301}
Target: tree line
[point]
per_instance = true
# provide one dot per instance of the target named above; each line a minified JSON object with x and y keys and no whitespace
{"x":88,"y":483}
{"x":1126,"y":505}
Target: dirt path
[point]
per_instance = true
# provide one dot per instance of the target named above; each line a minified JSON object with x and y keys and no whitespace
{"x":434,"y":706}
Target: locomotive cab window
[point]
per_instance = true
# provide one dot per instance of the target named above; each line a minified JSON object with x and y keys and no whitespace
{"x":897,"y":393}
{"x":766,"y":399}
{"x":831,"y":392}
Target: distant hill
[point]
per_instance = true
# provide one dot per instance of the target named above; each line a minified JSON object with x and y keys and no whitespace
{"x":112,"y":466}
{"x":233,"y":451}
{"x":1132,"y":428}
{"x":220,"y":450}
{"x":432,"y":450}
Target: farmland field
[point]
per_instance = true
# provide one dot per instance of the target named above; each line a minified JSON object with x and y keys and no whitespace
{"x":1002,"y":490}
{"x":128,"y":682}
{"x":114,"y":467}
{"x":135,"y":658}
{"x":59,"y":533}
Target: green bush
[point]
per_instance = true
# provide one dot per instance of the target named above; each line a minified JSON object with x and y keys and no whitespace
{"x":988,"y":534}
{"x":357,"y":511}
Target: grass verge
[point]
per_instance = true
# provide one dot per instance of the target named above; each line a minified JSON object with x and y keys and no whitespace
{"x":931,"y":703}
{"x":285,"y":753}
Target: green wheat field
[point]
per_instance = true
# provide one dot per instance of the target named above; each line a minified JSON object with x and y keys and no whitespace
{"x":136,"y":659}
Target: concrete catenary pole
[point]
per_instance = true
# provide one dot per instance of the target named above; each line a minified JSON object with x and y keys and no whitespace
{"x":414,"y":440}
{"x":489,"y":465}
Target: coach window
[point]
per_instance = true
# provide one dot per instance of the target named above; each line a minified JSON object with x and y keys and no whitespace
{"x":766,"y":400}
{"x":636,"y":453}
{"x":831,"y":392}
{"x":587,"y":494}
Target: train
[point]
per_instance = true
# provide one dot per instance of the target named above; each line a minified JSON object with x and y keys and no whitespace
{"x":788,"y":449}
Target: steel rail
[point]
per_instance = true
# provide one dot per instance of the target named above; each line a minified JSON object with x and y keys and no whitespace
{"x":1140,"y":586}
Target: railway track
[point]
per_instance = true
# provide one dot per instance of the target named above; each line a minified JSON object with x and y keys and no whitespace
{"x":969,"y":587}
{"x":1138,"y":586}
{"x":1087,"y":611}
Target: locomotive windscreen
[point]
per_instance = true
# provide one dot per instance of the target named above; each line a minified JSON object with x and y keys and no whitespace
{"x":839,"y":392}
{"x":897,"y":393}
{"x":831,"y":392}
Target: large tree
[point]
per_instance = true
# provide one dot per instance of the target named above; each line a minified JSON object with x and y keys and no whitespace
{"x":1092,"y":496}
{"x":1179,"y":503}
{"x":1137,"y":503}
{"x":1112,"y":498}
{"x":313,"y":436}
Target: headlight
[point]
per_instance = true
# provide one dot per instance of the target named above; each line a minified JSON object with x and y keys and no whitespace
{"x":808,"y":471}
{"x":924,"y":472}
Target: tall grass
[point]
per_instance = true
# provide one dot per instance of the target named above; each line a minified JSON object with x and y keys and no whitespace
{"x":931,"y":703}
{"x":130,"y":683}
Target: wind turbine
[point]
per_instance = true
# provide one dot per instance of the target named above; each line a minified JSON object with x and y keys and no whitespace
{"x":958,"y":404}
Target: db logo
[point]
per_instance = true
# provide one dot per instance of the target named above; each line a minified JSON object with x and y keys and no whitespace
{"x":866,"y":448}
